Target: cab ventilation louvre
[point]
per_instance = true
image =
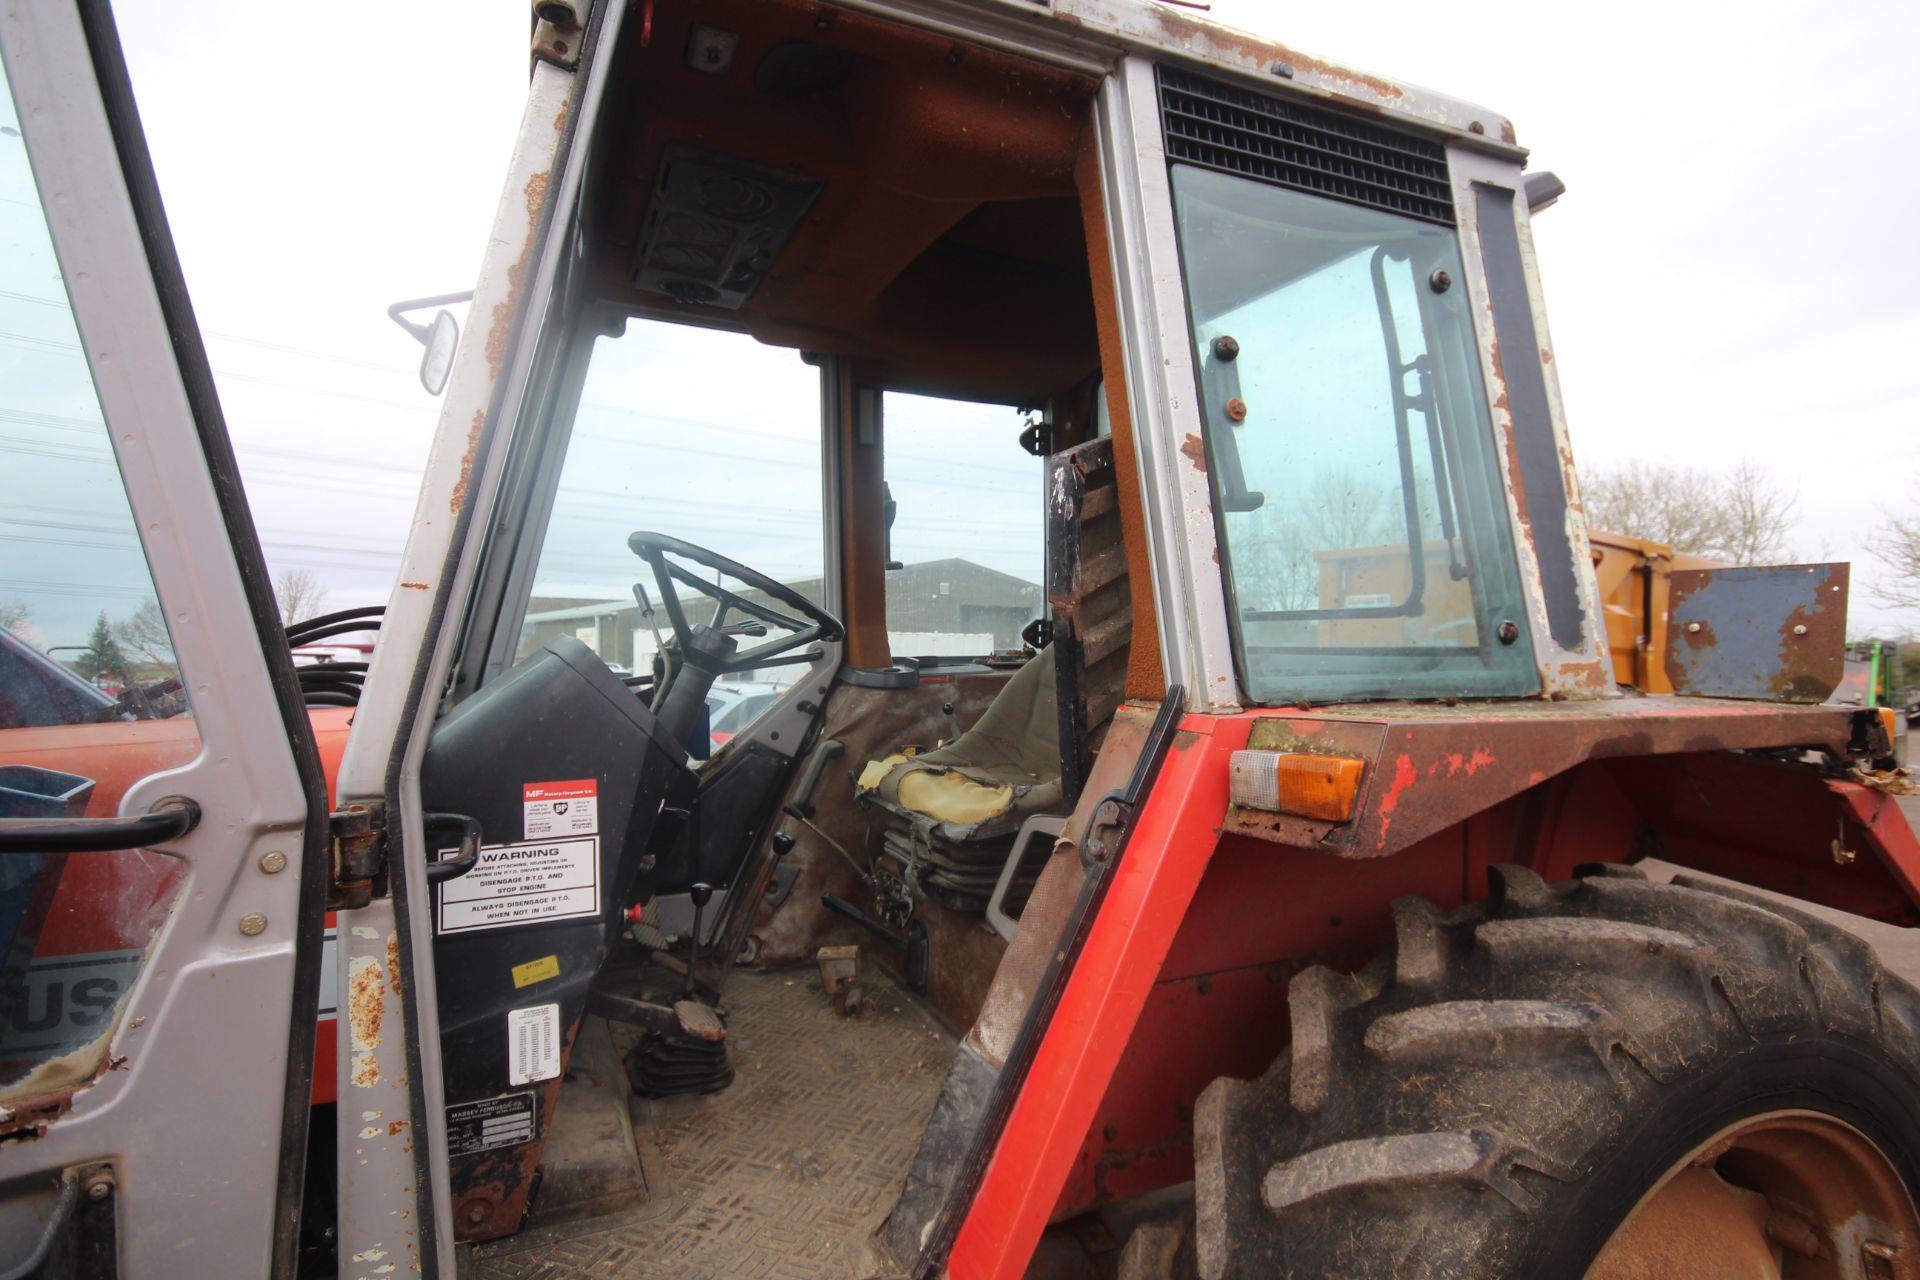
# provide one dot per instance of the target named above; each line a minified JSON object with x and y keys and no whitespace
{"x":1289,"y":144}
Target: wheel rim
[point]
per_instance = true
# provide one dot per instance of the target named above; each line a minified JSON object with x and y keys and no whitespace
{"x":1790,"y":1195}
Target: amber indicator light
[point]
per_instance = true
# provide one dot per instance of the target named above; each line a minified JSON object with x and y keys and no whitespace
{"x":1307,"y":786}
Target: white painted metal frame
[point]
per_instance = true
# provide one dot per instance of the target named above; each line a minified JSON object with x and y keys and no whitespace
{"x":1564,"y":672}
{"x":1163,"y":391}
{"x":410,"y":666}
{"x":206,"y":1023}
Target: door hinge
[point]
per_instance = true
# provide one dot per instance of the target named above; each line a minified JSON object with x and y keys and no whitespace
{"x":558,"y":28}
{"x":359,"y":837}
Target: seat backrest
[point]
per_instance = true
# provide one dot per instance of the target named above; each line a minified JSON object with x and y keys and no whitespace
{"x":1091,"y":604}
{"x":1018,"y":735}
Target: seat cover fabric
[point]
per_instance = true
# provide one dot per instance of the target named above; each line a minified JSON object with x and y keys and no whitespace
{"x":990,"y":778}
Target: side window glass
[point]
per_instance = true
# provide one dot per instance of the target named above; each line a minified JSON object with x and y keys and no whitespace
{"x":90,"y":698}
{"x":709,"y":437}
{"x":968,"y":532}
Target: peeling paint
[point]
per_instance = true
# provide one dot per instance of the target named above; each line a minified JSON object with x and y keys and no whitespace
{"x":1194,"y":449}
{"x":1404,"y":776}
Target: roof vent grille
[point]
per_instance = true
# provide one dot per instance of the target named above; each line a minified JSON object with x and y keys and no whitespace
{"x":1221,"y":126}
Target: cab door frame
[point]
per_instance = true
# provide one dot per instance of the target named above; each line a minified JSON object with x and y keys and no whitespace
{"x":393,"y":1193}
{"x":216,"y":1035}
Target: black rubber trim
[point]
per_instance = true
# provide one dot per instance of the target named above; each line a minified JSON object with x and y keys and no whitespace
{"x":98,"y":835}
{"x":196,"y":377}
{"x":1544,"y":496}
{"x":1033,"y":1026}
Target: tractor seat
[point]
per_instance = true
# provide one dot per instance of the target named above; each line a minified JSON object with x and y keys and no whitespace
{"x":954,"y":810}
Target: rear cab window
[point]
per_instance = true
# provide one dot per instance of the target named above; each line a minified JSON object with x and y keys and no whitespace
{"x":967,"y":531}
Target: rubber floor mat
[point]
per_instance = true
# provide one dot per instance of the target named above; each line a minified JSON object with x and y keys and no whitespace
{"x":782,"y":1176}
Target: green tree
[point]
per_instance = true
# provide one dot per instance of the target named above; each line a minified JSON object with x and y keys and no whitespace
{"x":103,"y":656}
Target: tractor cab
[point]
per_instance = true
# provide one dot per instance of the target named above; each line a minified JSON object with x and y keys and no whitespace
{"x":973,"y":556}
{"x":837,"y":382}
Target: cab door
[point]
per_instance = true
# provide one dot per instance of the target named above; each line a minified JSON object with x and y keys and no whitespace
{"x":162,"y":808}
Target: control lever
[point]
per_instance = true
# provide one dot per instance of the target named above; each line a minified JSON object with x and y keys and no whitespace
{"x":953,"y":722}
{"x":701,"y":894}
{"x":793,"y":811}
{"x":913,"y":942}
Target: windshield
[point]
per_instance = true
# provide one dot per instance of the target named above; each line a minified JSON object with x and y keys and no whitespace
{"x":1365,"y":536}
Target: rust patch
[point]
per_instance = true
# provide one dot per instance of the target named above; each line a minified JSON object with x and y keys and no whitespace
{"x":1507,"y":135}
{"x":366,"y":1007}
{"x":459,"y":498}
{"x":393,"y":962}
{"x":1546,"y":356}
{"x":1186,"y":30}
{"x":414,"y":586}
{"x":1194,"y":449}
{"x":1577,"y":679}
{"x":394,"y":1127}
{"x":560,"y":121}
{"x":536,"y":193}
{"x":1699,"y":635}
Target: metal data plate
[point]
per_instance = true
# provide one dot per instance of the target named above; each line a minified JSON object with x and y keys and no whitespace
{"x":1776,"y":633}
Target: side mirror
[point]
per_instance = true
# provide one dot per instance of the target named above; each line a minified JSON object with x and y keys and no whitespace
{"x":1542,"y":189}
{"x":437,"y":363}
{"x":441,"y":338}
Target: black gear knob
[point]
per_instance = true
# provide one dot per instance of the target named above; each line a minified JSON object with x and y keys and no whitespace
{"x":701,"y":894}
{"x":782,"y":843}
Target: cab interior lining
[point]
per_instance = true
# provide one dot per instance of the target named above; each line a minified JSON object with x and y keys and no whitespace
{"x":944,"y":249}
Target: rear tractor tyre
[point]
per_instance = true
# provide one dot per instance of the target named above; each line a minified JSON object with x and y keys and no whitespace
{"x":1606,"y":1078}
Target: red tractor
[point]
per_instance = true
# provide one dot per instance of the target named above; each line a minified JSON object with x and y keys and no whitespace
{"x":1201,"y":816}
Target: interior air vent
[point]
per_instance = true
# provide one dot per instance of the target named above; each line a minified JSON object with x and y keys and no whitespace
{"x":1221,"y":126}
{"x":715,"y":225}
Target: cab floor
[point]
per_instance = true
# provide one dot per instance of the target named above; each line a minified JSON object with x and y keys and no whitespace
{"x":782,"y":1175}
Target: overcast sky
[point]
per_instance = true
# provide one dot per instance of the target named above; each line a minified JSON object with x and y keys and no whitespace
{"x":1733,"y":273}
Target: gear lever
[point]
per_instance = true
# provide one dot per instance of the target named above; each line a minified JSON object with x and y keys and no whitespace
{"x":701,"y":894}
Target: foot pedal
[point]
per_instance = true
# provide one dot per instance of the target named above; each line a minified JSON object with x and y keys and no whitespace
{"x":689,"y":1059}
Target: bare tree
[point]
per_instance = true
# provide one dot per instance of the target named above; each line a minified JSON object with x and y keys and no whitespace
{"x":1898,"y":548}
{"x":13,"y":613}
{"x":300,"y":595}
{"x":1275,"y":560}
{"x":143,"y":634}
{"x":1743,"y":514}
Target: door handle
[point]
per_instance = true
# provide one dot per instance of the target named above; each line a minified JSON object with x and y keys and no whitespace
{"x":464,"y":861}
{"x":168,"y":819}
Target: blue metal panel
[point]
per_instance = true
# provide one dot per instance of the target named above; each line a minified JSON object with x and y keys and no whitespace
{"x":1776,"y":633}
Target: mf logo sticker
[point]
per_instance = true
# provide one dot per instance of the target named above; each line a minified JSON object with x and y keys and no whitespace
{"x":554,"y":809}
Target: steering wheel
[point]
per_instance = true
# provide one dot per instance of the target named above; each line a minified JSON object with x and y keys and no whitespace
{"x":814,"y":623}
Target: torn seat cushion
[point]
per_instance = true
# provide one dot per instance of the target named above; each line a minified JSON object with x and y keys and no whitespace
{"x":990,"y":779}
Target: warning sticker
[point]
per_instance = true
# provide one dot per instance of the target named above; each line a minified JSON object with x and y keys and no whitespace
{"x":523,"y":883}
{"x":561,"y":808}
{"x":505,"y":1121}
{"x":533,"y":1044}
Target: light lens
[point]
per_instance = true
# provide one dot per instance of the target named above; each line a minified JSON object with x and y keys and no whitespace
{"x":1307,"y":786}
